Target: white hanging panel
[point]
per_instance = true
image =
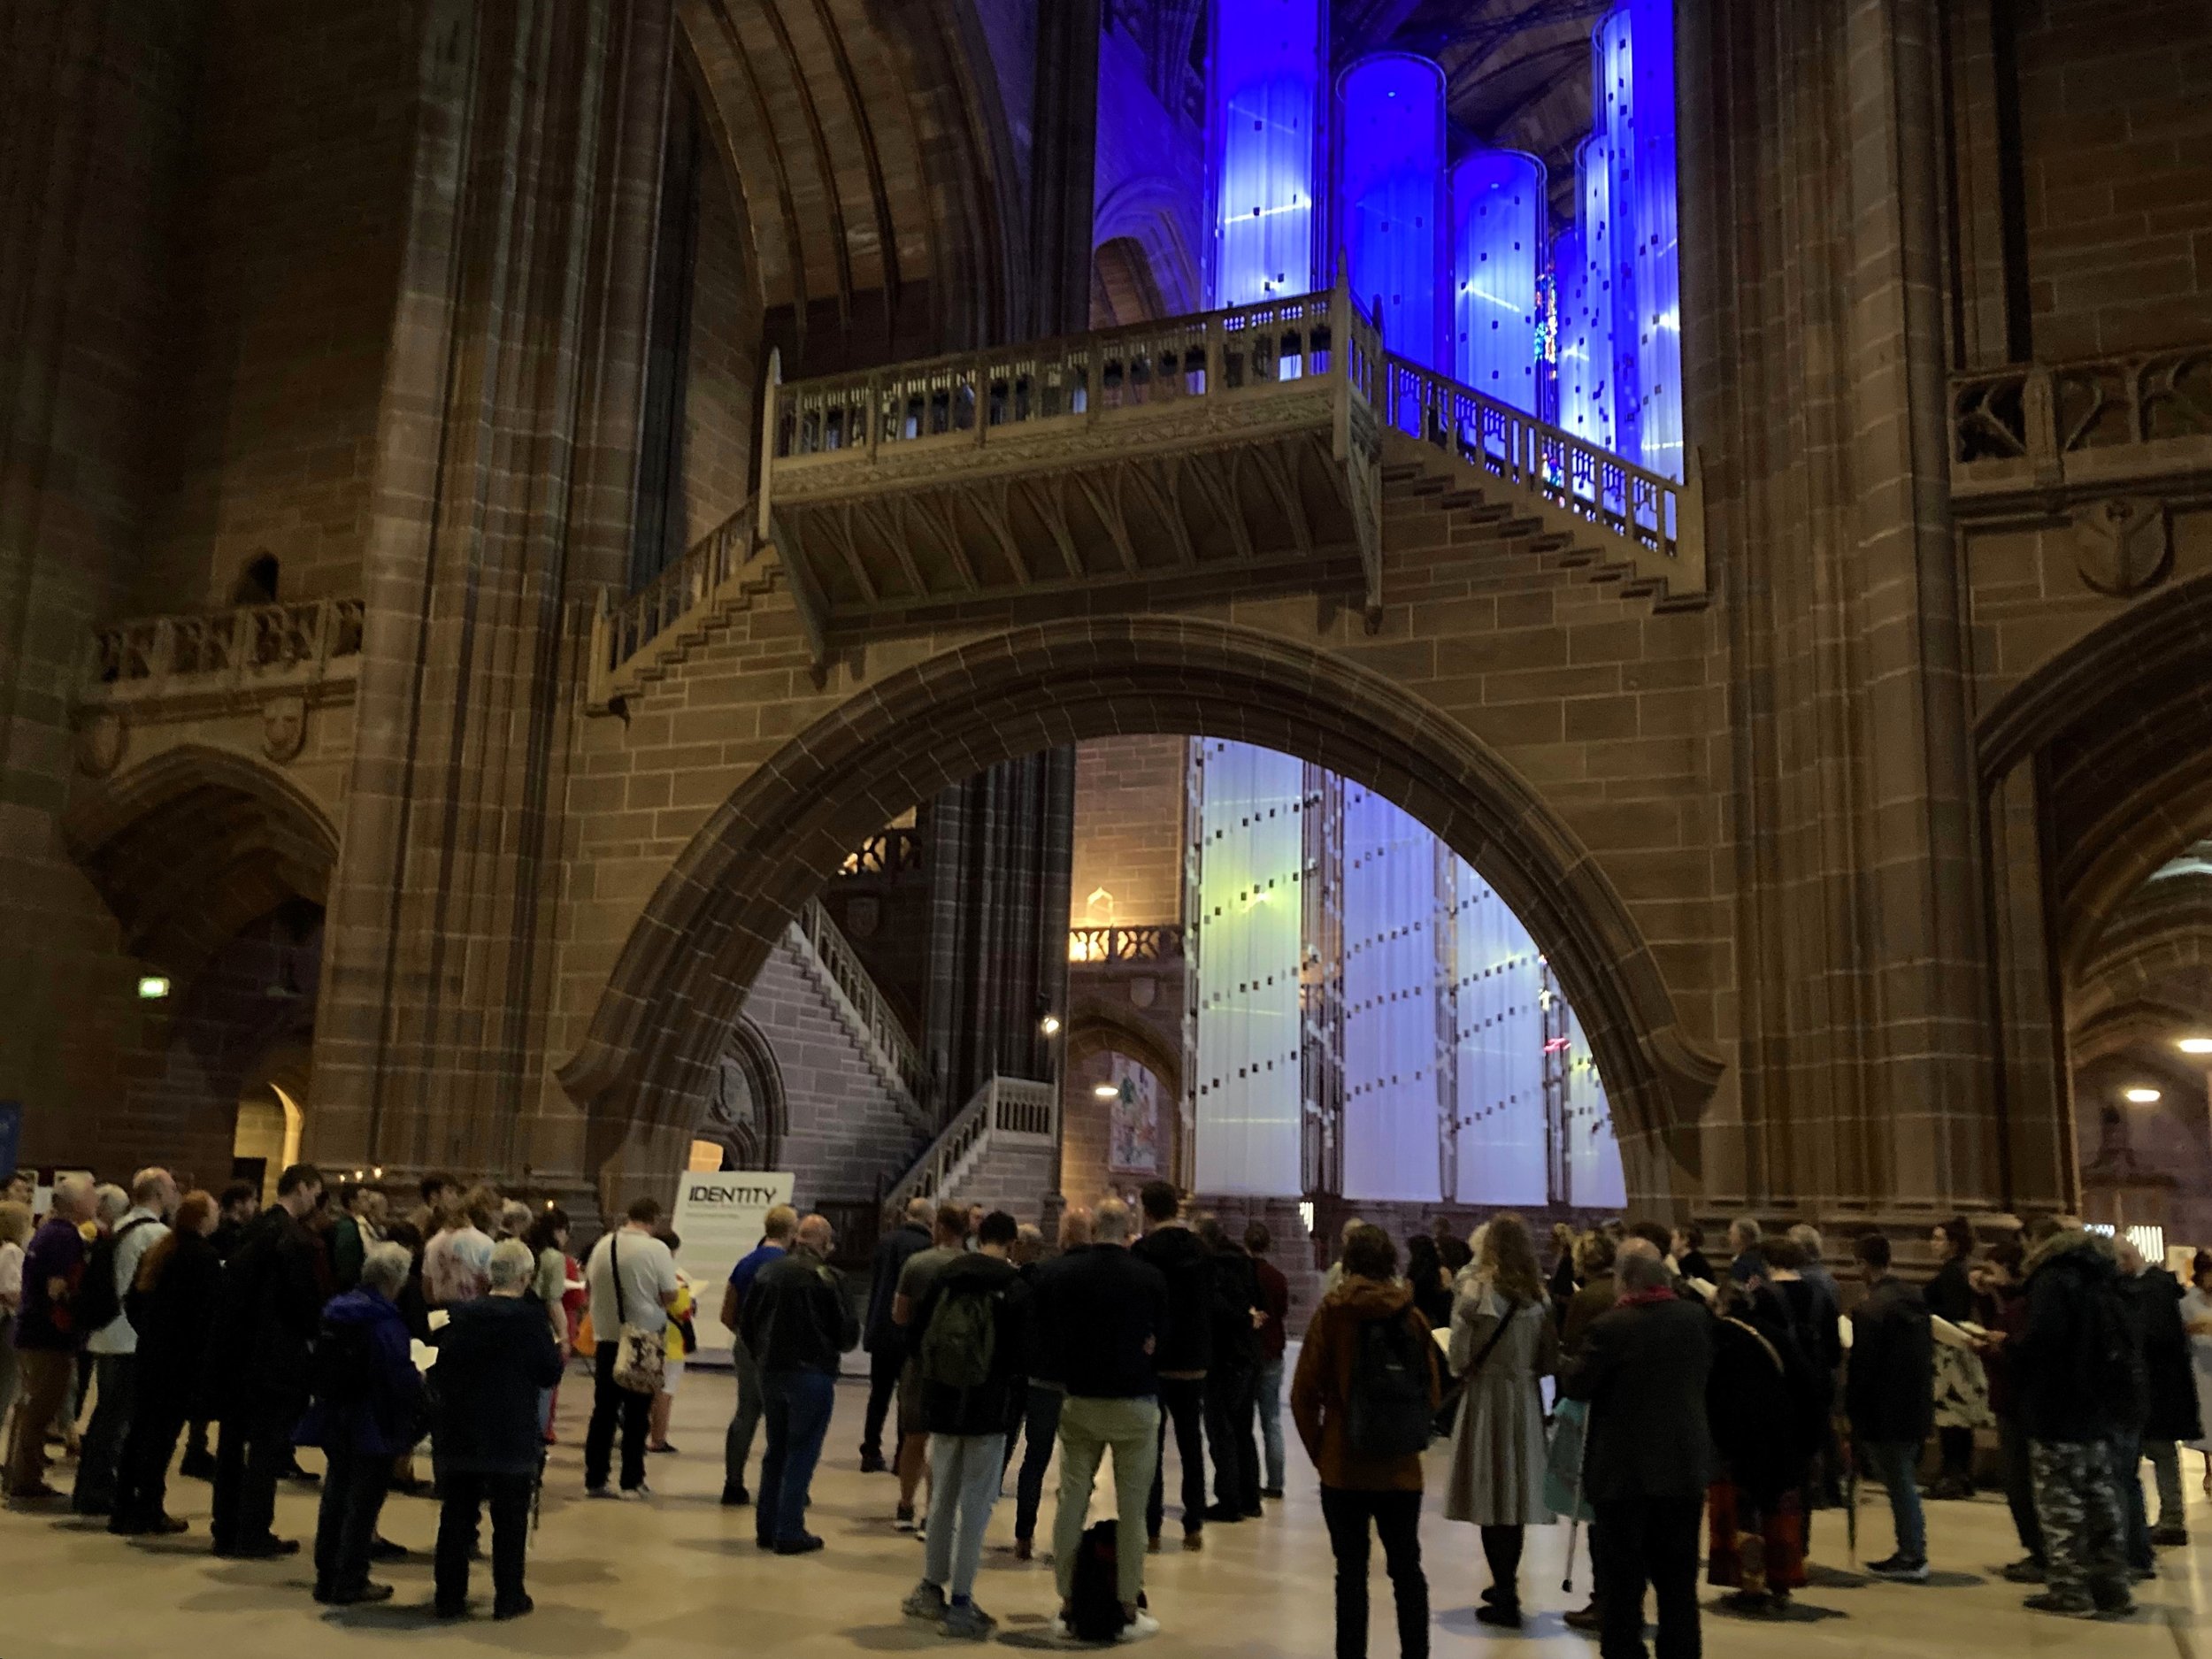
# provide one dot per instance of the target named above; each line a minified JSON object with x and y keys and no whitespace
{"x":1501,"y":1040}
{"x":1594,"y":1177}
{"x":1390,"y":1086}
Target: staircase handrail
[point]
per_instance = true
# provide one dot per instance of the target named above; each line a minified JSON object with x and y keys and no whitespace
{"x":1645,"y":509}
{"x":625,"y":625}
{"x":960,"y":1140}
{"x":881,"y":1029}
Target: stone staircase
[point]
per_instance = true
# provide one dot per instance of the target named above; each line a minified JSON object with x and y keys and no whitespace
{"x":1001,"y":1150}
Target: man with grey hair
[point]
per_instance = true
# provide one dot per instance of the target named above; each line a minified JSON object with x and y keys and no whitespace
{"x":366,"y":1410}
{"x":495,"y":1357}
{"x":1745,"y":1263}
{"x":776,"y":1229}
{"x":47,"y":1338}
{"x":1048,"y":1384}
{"x":114,"y":1346}
{"x":1102,"y":1312}
{"x":798,"y":1324}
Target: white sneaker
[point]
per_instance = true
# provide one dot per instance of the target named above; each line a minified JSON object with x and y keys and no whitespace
{"x":635,"y":1495}
{"x":1139,"y":1627}
{"x":599,"y":1492}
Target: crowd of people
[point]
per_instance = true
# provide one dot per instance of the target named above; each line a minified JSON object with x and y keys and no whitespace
{"x":1678,"y":1410}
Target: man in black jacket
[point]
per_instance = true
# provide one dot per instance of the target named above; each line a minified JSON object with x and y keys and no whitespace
{"x":266,"y":1321}
{"x":1105,"y":1314}
{"x":2079,"y":1373}
{"x":1889,"y":1396}
{"x":1648,"y":1456}
{"x":1233,"y":1377}
{"x":881,"y":1338}
{"x":1186,"y":1354}
{"x":495,"y":1359}
{"x":1047,"y":1382}
{"x":797,"y":1322}
{"x":2170,"y":1413}
{"x":970,"y":1337}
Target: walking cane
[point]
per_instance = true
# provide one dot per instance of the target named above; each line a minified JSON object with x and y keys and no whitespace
{"x":1574,"y":1517}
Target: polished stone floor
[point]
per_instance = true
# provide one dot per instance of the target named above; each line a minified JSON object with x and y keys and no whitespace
{"x":680,"y":1578}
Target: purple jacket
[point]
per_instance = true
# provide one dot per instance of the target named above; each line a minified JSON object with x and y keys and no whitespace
{"x":57,"y":1250}
{"x":368,"y":1395}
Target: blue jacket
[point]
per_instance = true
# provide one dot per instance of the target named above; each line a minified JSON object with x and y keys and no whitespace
{"x":497,"y":1358}
{"x":368,"y":1395}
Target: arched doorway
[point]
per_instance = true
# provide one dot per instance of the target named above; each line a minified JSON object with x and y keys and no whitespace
{"x":645,"y":1066}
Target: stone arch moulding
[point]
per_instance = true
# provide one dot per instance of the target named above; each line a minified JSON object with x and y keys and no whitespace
{"x":1101,"y":1029}
{"x":192,"y":844}
{"x":676,"y":989}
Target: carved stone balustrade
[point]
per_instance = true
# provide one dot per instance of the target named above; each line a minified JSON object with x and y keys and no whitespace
{"x":216,"y":656}
{"x":1158,"y":942}
{"x":2038,"y":436}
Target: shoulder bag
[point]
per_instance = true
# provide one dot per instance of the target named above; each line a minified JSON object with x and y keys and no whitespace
{"x":640,"y":1357}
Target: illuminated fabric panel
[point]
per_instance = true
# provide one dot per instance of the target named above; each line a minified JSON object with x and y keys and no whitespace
{"x":1594,"y":1178}
{"x":1498,"y":220}
{"x":1658,"y":256}
{"x":1594,"y":236}
{"x":1498,"y":1027}
{"x":1245,"y":942}
{"x":1263,"y":91}
{"x":1610,"y":218}
{"x":1579,"y":375}
{"x":1393,"y":1110}
{"x":1390,"y":197}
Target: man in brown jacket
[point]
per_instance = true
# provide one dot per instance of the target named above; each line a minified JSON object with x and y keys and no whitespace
{"x":1366,"y":1373}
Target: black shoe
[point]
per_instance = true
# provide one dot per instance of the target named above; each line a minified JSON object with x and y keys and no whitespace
{"x":262,"y":1550}
{"x":515,"y":1609}
{"x":1271,"y":1492}
{"x":384,"y":1549}
{"x":450,"y":1609}
{"x":1505,"y":1614}
{"x":661,"y":1451}
{"x":1585,"y":1619}
{"x":321,"y":1592}
{"x":197,"y":1466}
{"x":360,"y":1595}
{"x":1224,"y":1513}
{"x":122,"y":1526}
{"x":735,"y":1497}
{"x":872,"y":1464}
{"x":305,"y":1477}
{"x":805,"y":1544}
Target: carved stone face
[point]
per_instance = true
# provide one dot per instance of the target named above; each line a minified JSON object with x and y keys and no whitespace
{"x":283,"y":727}
{"x":100,"y":741}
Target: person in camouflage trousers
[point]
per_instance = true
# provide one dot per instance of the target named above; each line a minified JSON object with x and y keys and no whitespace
{"x":2078,"y":1370}
{"x":2077,"y":1506}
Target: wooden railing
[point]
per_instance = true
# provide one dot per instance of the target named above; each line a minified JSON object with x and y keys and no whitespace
{"x":1005,"y":1108}
{"x":1016,"y":390}
{"x":2046,"y":427}
{"x":1649,"y":511}
{"x":878,"y":1027}
{"x":256,"y":644}
{"x":1156,"y":943}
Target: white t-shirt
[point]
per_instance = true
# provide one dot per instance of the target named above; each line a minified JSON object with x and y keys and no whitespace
{"x":649,"y":1272}
{"x":117,"y":1336}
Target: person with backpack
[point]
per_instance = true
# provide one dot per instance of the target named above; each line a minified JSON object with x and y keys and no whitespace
{"x":948,"y":1245}
{"x":47,"y":1335}
{"x":1186,"y":1354}
{"x":1502,"y":1347}
{"x":798,"y":1324}
{"x":1889,"y":1396}
{"x":969,"y":1338}
{"x":1105,"y":1314}
{"x":366,"y":1408}
{"x":111,"y":1342}
{"x":2078,"y":1370}
{"x":496,"y":1356}
{"x":172,"y":1306}
{"x":1363,"y":1398}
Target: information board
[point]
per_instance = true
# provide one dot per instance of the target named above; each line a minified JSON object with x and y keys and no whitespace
{"x":718,"y":1219}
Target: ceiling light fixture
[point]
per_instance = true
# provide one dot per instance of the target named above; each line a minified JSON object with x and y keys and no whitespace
{"x":1106,"y":1090}
{"x":2195,"y":1045}
{"x":2141,"y":1095}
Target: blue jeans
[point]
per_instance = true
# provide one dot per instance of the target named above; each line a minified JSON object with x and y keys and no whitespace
{"x":1272,"y":1421}
{"x":795,"y":1405}
{"x":1897,"y":1465}
{"x":964,"y":1471}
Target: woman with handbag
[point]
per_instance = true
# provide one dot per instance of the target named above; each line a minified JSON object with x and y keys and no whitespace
{"x":1502,"y":1346}
{"x":632,"y":1280}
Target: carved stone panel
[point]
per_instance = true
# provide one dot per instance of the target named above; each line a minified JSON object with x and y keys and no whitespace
{"x":2123,"y":544}
{"x":283,"y":727}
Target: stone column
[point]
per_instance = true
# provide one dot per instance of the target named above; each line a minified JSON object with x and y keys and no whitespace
{"x":1062,"y":164}
{"x":503,"y":495}
{"x":1816,"y":346}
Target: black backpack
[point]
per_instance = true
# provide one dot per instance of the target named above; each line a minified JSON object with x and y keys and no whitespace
{"x":2108,"y":1356}
{"x":960,"y":1344}
{"x":97,"y":1301}
{"x":1388,"y":1414}
{"x":1094,"y":1603}
{"x":339,"y":1369}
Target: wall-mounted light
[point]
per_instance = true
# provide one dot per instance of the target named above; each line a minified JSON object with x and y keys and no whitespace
{"x":2141,"y":1095}
{"x":2195,"y":1045}
{"x":1106,"y":1090}
{"x":1049,"y":1024}
{"x":153,"y":987}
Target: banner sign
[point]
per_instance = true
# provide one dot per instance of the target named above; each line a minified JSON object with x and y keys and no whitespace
{"x":720,"y":1219}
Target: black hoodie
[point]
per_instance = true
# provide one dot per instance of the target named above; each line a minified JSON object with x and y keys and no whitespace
{"x":1186,"y":1346}
{"x":2077,"y":1365}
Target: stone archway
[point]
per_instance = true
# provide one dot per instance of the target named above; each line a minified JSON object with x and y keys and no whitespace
{"x":675,"y":989}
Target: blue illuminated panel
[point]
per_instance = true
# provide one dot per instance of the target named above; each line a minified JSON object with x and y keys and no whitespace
{"x":1658,"y":250}
{"x":1263,"y":91}
{"x":1608,"y":198}
{"x":1593,"y":241}
{"x":1498,"y":214}
{"x":1579,"y":375}
{"x":1390,"y":200}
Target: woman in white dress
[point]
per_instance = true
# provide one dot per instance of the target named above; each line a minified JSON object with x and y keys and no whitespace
{"x":1502,"y":1346}
{"x":2196,"y":1315}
